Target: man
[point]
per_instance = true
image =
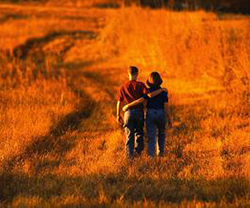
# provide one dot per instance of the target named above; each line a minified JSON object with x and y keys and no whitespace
{"x":134,"y":117}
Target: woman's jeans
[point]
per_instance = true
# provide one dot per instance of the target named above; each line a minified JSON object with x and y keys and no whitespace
{"x":133,"y":124}
{"x":156,"y":122}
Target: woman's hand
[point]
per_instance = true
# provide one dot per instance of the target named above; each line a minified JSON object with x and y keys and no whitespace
{"x":125,"y":108}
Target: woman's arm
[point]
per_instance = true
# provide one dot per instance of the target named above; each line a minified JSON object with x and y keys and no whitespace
{"x":136,"y":102}
{"x":141,"y":100}
{"x":156,"y":92}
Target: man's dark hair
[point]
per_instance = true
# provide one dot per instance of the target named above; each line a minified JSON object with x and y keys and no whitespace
{"x":133,"y":70}
{"x":154,"y":79}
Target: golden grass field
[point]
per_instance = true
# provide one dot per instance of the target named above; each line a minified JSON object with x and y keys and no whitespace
{"x":60,"y":70}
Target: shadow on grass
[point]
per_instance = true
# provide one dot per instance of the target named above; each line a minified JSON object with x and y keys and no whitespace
{"x":22,"y":51}
{"x":107,"y":5}
{"x":24,"y":1}
{"x":56,"y":141}
{"x":105,"y":83}
{"x":117,"y":186}
{"x":8,"y":17}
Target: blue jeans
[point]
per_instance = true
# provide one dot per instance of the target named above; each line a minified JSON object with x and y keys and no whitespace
{"x":133,"y":124}
{"x":156,"y":120}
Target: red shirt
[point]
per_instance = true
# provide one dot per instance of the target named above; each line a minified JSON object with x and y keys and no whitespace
{"x":131,"y":91}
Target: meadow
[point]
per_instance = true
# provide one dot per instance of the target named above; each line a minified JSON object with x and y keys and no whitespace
{"x":61,"y":68}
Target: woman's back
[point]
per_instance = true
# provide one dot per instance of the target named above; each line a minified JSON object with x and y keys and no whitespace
{"x":158,"y":101}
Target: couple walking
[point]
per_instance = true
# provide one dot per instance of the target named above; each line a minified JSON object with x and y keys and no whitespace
{"x":135,"y":95}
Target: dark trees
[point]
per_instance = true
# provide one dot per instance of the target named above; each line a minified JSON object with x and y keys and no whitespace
{"x":237,"y":6}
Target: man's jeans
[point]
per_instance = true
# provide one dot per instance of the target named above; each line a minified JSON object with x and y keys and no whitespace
{"x":133,"y":124}
{"x":156,"y":120}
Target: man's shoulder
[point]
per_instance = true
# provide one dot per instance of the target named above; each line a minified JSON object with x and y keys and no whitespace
{"x":127,"y":83}
{"x":141,"y":83}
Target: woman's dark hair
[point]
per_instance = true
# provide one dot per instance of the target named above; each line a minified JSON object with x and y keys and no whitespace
{"x":154,"y":80}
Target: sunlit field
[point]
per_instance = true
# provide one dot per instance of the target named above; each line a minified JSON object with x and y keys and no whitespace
{"x":61,"y":68}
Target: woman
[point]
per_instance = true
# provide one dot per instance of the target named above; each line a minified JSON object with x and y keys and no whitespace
{"x":157,"y":114}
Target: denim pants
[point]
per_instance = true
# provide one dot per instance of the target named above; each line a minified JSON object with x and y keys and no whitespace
{"x":156,"y":122}
{"x":133,"y":124}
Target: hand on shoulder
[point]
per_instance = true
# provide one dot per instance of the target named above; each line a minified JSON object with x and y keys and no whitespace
{"x":165,"y":90}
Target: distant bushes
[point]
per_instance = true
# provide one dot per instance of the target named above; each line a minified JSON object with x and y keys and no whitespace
{"x":241,"y":6}
{"x":234,"y":6}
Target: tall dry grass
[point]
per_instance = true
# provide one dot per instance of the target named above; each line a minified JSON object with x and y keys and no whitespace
{"x":204,"y":61}
{"x":189,"y":44}
{"x":60,"y":143}
{"x":214,"y":54}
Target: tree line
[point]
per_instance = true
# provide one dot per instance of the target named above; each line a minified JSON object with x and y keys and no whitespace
{"x":236,"y":6}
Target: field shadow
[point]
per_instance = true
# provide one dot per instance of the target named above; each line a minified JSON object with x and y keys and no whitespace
{"x":119,"y":186}
{"x":80,"y":18}
{"x":72,"y":121}
{"x":105,"y":82}
{"x":56,"y":141}
{"x":13,"y":16}
{"x":24,"y":1}
{"x":107,"y":5}
{"x":22,"y":51}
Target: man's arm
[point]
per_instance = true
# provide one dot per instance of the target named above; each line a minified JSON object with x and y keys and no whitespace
{"x":141,"y":100}
{"x":136,"y":102}
{"x":118,"y":112}
{"x":156,"y":92}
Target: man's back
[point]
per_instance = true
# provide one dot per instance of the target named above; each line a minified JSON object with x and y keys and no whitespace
{"x":133,"y":120}
{"x":158,"y":101}
{"x":131,"y":91}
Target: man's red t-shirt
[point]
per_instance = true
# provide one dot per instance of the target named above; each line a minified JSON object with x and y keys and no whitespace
{"x":131,"y":91}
